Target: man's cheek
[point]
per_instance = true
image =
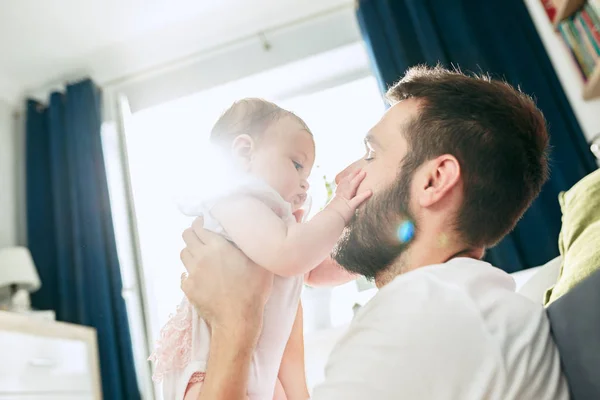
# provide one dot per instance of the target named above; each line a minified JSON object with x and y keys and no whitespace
{"x":365,"y":185}
{"x":372,"y":182}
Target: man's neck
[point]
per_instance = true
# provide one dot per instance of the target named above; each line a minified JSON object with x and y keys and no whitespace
{"x":425,"y":252}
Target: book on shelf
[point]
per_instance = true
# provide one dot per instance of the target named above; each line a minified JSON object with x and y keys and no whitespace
{"x":550,"y":8}
{"x":591,"y":40}
{"x":581,"y":33}
{"x":592,"y":27}
{"x":588,"y":46}
{"x":564,"y":30}
{"x":593,"y":11}
{"x":595,"y":5}
{"x":587,"y":63}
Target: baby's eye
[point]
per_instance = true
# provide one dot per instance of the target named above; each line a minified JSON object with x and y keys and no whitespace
{"x":370,"y":155}
{"x":297,"y":165}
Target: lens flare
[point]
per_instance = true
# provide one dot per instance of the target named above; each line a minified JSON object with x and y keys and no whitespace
{"x":406,"y":231}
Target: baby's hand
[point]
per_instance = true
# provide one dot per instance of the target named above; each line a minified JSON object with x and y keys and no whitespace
{"x":346,"y":200}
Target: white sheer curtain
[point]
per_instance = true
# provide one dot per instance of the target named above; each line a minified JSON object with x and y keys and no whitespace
{"x":162,"y":141}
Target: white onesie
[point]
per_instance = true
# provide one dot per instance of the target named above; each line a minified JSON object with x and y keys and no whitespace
{"x":185,"y":340}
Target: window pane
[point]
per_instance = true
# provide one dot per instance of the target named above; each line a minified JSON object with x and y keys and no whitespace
{"x":164,"y":140}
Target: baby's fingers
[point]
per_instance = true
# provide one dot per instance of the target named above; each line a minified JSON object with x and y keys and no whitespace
{"x":355,"y":183}
{"x":359,"y":199}
{"x":348,"y":178}
{"x":343,"y":188}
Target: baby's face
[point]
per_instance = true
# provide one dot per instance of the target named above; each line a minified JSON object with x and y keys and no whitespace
{"x":284,"y":158}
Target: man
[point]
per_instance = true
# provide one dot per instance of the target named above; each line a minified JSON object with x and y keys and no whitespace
{"x":461,"y":158}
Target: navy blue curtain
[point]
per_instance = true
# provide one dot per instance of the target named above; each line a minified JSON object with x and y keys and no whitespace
{"x":70,"y":229}
{"x":497,"y":37}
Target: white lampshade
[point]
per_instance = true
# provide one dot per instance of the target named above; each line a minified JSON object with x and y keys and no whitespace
{"x":17,"y":268}
{"x":595,"y":147}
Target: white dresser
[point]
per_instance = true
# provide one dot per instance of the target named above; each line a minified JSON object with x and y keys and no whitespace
{"x":44,"y":360}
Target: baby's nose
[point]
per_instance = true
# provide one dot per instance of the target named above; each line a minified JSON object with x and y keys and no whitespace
{"x":304,"y":186}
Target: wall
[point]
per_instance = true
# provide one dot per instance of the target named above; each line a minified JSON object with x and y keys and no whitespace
{"x":9,"y":233}
{"x":587,"y":112}
{"x":242,"y":57}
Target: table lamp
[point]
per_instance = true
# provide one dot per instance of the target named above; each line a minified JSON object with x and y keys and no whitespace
{"x":17,"y":275}
{"x":595,"y":146}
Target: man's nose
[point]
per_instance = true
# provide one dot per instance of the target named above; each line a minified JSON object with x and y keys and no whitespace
{"x":347,"y":171}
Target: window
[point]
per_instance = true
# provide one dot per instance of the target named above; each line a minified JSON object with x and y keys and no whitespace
{"x":339,"y":106}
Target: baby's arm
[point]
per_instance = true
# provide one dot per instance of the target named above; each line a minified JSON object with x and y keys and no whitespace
{"x":328,"y":273}
{"x":289,"y":250}
{"x":292,"y":373}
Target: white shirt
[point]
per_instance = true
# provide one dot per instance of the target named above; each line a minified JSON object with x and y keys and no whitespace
{"x":451,"y":331}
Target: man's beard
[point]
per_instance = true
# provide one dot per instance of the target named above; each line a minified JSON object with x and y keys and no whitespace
{"x":370,"y":243}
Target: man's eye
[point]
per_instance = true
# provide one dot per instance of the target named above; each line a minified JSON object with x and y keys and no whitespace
{"x":297,"y":165}
{"x":370,"y":155}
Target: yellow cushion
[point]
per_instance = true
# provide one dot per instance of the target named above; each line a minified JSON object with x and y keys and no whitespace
{"x":579,"y":239}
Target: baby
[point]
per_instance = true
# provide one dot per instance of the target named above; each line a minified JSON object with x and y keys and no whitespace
{"x":270,"y":153}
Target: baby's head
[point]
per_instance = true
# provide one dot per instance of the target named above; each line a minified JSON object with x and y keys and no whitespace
{"x":269,"y":142}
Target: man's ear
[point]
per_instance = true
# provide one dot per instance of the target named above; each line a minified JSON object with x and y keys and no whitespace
{"x":441,"y":176}
{"x":241,"y":150}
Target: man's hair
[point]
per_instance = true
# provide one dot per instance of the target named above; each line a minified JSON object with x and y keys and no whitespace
{"x":497,"y":134}
{"x":249,"y":116}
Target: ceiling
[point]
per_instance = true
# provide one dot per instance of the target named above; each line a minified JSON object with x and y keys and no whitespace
{"x":46,"y":42}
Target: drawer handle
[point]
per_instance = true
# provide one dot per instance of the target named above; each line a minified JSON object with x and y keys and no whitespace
{"x":42,"y":362}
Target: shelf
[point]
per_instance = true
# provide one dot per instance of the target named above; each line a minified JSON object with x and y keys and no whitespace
{"x":565,"y":8}
{"x":591,"y":88}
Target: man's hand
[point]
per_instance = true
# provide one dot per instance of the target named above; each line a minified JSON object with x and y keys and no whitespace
{"x":228,"y":290}
{"x":346,"y":198}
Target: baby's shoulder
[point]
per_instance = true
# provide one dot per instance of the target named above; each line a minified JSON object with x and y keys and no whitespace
{"x":258,"y":189}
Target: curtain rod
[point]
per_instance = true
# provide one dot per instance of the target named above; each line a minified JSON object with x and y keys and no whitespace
{"x":189,"y":59}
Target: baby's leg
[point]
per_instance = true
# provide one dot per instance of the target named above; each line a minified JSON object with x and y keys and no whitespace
{"x":194,"y":387}
{"x":292,"y":375}
{"x":279,"y":392}
{"x":192,"y":392}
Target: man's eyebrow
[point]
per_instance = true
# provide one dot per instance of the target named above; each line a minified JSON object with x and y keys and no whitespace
{"x":372,"y":140}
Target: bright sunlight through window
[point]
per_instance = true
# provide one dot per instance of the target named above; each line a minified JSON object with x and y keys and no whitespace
{"x":162,"y":143}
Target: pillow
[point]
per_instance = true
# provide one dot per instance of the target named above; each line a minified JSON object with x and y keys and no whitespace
{"x":579,"y":239}
{"x":544,"y":277}
{"x":575,"y":325}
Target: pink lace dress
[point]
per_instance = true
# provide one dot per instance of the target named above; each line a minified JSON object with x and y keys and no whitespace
{"x":182,"y":350}
{"x":173,"y":351}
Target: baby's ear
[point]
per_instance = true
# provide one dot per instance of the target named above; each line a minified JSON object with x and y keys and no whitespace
{"x":241,"y":149}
